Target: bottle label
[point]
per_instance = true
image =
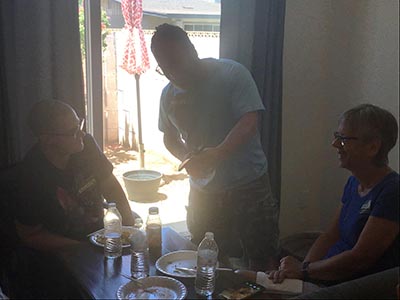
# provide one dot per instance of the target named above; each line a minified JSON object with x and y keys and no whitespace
{"x":207,"y":257}
{"x":154,"y":239}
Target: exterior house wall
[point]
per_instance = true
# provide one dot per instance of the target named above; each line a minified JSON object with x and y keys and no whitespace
{"x":113,"y":10}
{"x":110,"y":91}
{"x":150,"y":22}
{"x":337,"y":54}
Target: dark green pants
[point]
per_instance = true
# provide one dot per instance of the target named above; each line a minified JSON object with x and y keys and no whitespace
{"x":244,"y":218}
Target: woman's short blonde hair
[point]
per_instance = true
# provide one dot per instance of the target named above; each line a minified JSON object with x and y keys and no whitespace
{"x":371,"y":122}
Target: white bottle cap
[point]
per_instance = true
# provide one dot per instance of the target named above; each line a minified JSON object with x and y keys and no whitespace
{"x":209,"y":235}
{"x":138,"y":223}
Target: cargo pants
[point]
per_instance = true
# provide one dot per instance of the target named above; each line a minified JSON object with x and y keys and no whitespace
{"x":243,"y":219}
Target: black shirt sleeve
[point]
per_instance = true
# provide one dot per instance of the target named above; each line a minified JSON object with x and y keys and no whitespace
{"x":92,"y":155}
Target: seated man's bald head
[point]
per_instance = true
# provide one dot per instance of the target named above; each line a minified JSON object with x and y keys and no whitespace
{"x":44,"y":115}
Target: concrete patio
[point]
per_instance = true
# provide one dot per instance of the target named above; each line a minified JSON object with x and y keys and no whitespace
{"x":173,"y":193}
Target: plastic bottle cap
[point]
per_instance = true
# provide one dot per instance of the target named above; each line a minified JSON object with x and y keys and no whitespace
{"x":209,"y":235}
{"x":138,"y":223}
{"x":153,"y":210}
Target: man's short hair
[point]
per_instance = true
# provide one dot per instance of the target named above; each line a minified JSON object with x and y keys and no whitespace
{"x":170,"y":33}
{"x":44,"y":115}
{"x":371,"y":122}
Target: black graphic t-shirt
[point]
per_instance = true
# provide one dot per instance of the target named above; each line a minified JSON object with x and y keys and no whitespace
{"x":66,"y":202}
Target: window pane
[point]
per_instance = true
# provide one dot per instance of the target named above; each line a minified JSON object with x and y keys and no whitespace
{"x":188,"y":28}
{"x":207,"y":27}
{"x":120,"y":103}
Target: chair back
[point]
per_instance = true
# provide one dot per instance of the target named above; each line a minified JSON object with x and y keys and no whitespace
{"x":8,"y":204}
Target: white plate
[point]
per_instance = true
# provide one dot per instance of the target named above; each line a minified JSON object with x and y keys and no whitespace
{"x":184,"y":258}
{"x":159,"y":287}
{"x":94,"y":237}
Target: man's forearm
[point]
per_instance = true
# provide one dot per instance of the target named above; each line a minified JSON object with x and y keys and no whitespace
{"x":44,"y":240}
{"x":176,"y":147}
{"x":113,"y":192}
{"x":244,"y":129}
{"x":124,"y":208}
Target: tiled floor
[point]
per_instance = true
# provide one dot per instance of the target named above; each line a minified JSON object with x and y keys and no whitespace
{"x":173,"y":193}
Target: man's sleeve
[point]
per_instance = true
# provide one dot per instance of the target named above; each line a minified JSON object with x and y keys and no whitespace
{"x":244,"y":97}
{"x":28,"y":210}
{"x":164,"y":124}
{"x":102,"y":168}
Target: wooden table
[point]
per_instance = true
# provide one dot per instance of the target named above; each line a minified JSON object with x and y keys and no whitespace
{"x":100,"y":278}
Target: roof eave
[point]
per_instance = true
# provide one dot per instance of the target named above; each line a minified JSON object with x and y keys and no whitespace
{"x":182,"y":16}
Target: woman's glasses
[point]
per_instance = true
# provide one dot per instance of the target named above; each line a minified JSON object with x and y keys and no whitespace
{"x":342,"y":138}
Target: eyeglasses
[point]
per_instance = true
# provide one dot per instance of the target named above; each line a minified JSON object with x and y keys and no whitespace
{"x":343,"y":139}
{"x":160,"y":71}
{"x":73,"y":131}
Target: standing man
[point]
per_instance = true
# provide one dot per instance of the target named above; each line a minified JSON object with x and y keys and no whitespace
{"x":64,"y":180}
{"x":209,"y":112}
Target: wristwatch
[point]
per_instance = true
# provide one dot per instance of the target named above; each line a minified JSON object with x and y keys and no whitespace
{"x":304,"y":270}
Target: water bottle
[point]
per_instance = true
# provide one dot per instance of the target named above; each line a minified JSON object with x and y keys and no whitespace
{"x":139,"y":251}
{"x":153,"y":230}
{"x":207,"y":256}
{"x":112,"y":232}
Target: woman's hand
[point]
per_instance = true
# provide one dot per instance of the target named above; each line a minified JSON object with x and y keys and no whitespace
{"x":289,"y":268}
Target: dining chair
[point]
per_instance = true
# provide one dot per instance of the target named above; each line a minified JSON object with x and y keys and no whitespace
{"x":9,"y":238}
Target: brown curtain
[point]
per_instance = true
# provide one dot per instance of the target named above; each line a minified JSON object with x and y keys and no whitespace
{"x":40,"y":60}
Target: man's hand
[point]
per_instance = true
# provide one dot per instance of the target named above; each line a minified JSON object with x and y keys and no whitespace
{"x":203,"y":163}
{"x":207,"y":160}
{"x":112,"y":191}
{"x":289,"y":268}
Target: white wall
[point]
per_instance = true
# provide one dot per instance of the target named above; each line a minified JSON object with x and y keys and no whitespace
{"x":337,"y":54}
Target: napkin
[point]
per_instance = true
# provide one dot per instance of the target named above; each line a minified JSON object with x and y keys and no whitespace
{"x":288,"y":286}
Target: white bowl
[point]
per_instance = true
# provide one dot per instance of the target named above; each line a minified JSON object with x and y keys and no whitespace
{"x":142,"y":185}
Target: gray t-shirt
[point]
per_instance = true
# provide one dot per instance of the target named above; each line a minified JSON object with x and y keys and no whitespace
{"x":204,"y":116}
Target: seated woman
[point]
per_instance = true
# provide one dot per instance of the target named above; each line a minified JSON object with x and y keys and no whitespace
{"x":364,"y":235}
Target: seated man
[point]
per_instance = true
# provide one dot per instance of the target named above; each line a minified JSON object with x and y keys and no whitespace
{"x":364,"y":235}
{"x":64,"y":178}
